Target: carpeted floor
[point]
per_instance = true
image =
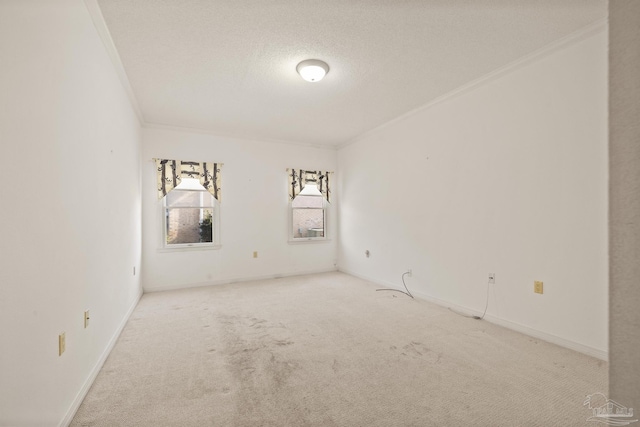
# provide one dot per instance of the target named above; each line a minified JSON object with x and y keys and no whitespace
{"x":328,"y":350}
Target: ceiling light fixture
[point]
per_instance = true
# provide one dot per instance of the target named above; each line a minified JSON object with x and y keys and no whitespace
{"x":312,"y":70}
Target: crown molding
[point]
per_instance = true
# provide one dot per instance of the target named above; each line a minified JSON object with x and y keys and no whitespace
{"x":147,"y":125}
{"x":562,"y":43}
{"x":103,"y":32}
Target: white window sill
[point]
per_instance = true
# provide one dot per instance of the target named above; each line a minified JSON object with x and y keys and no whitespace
{"x":189,"y":248}
{"x":303,"y":240}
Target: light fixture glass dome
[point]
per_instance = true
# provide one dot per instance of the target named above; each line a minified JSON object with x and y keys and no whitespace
{"x":312,"y":70}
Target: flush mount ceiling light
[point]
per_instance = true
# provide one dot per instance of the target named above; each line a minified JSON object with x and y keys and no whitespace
{"x":312,"y":70}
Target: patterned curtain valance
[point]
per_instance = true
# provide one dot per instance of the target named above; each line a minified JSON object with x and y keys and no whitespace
{"x":298,"y":178}
{"x":171,"y":172}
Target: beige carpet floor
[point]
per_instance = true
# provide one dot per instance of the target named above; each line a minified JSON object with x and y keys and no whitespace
{"x":328,"y":350}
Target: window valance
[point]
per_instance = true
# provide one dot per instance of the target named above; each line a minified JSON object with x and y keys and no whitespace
{"x":298,"y":178}
{"x":170,"y":173}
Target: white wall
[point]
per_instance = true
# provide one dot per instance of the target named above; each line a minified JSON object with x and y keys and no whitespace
{"x":508,"y":177}
{"x":70,"y":229}
{"x":254,"y":212}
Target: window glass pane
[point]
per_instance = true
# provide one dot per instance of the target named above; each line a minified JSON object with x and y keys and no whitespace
{"x":189,"y":184}
{"x":307,"y":202}
{"x":189,"y":225}
{"x":190,"y":198}
{"x":308,"y":222}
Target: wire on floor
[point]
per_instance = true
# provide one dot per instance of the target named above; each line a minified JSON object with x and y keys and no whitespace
{"x":486,"y":304}
{"x":400,"y":290}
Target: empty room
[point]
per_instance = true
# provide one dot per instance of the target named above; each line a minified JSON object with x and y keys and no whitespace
{"x":341,"y":213}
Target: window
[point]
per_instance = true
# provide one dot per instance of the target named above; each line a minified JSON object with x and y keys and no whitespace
{"x":308,"y":215}
{"x":191,"y":216}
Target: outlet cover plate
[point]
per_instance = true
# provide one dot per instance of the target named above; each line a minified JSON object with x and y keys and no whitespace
{"x":538,"y":287}
{"x":62,"y":343}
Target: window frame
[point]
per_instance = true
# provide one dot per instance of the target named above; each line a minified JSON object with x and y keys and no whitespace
{"x":325,"y":214}
{"x":215,"y":217}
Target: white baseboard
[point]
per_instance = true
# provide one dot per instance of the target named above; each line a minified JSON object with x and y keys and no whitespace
{"x":71,"y":412}
{"x":227,"y":281}
{"x":562,"y":342}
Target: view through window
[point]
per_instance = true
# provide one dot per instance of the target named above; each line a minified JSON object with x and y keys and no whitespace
{"x":189,"y":215}
{"x":308,"y":217}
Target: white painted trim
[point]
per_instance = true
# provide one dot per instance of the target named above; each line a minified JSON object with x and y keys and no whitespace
{"x":571,"y":345}
{"x":180,"y":247}
{"x":105,"y":36}
{"x":228,"y":281}
{"x":189,"y":247}
{"x":110,"y":47}
{"x":71,"y":412}
{"x":325,"y":212}
{"x":562,"y":342}
{"x":218,"y":134}
{"x":573,"y":38}
{"x":303,"y":240}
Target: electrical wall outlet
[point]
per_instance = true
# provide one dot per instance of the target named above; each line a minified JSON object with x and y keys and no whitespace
{"x":255,"y":254}
{"x":409,"y":272}
{"x":538,"y":287}
{"x":86,"y":319}
{"x":492,"y":278}
{"x":62,"y":344}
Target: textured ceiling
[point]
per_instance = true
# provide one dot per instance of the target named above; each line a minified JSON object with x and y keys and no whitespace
{"x":228,"y":66}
